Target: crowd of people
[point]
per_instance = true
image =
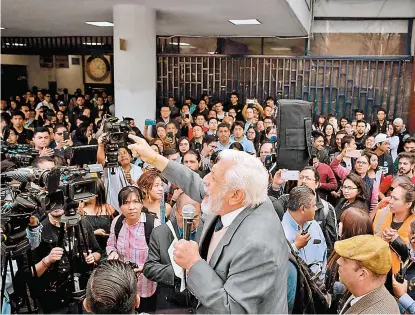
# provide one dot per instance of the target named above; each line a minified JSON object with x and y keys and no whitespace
{"x":348,"y":219}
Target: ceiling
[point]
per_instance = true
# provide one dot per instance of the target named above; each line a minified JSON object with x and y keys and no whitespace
{"x":174,"y":17}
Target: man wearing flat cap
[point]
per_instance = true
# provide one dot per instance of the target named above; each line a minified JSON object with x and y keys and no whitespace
{"x":364,"y":263}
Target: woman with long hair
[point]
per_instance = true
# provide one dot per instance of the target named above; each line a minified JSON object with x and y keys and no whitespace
{"x":152,"y":187}
{"x":253,"y":136}
{"x":184,"y":145}
{"x":360,"y":167}
{"x":330,"y":136}
{"x":353,"y":222}
{"x":99,"y":214}
{"x":373,"y":172}
{"x":60,"y":119}
{"x":393,"y":140}
{"x":392,"y":223}
{"x":83,"y":135}
{"x":159,"y":143}
{"x":355,"y":193}
{"x":319,"y":123}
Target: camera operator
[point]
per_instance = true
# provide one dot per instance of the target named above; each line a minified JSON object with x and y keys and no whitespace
{"x":125,"y":174}
{"x":12,"y":293}
{"x":131,"y":123}
{"x":44,"y":163}
{"x":52,"y":287}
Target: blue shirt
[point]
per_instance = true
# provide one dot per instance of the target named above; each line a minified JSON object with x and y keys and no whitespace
{"x":407,"y":303}
{"x":223,"y":147}
{"x":311,"y":253}
{"x":247,"y":144}
{"x":192,"y":234}
{"x":248,"y":124}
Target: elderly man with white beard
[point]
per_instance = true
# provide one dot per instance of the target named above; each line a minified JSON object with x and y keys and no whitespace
{"x":240,"y":264}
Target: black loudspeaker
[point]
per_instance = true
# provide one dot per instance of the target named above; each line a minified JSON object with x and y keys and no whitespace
{"x":294,"y":121}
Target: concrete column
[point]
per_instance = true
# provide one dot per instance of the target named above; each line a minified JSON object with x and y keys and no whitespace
{"x":135,"y":71}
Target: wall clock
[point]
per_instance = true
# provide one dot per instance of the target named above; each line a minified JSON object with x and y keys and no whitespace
{"x":97,"y":68}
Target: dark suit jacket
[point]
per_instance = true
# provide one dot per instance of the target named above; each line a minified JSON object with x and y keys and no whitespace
{"x":379,"y":301}
{"x":158,"y":267}
{"x":247,"y":272}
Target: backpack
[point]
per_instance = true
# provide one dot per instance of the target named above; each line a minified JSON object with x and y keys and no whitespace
{"x":326,"y":210}
{"x":310,"y":294}
{"x":148,"y":226}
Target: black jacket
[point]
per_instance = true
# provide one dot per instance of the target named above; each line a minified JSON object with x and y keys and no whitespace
{"x":53,"y":288}
{"x":158,"y":268}
{"x":342,"y":206}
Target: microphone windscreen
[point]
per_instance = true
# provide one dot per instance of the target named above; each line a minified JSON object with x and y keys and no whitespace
{"x":22,"y":177}
{"x":273,"y":139}
{"x":188,"y":212}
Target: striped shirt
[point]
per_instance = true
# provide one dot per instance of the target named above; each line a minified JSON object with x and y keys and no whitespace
{"x":132,"y":246}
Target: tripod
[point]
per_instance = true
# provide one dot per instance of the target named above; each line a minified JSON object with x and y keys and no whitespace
{"x":15,"y":251}
{"x":70,"y":229}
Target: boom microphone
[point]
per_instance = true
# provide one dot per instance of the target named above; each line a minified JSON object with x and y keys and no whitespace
{"x":20,"y":176}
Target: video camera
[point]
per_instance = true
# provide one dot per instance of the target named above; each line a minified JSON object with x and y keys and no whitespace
{"x":21,"y":154}
{"x":270,"y":162}
{"x":116,"y":137}
{"x":53,"y":189}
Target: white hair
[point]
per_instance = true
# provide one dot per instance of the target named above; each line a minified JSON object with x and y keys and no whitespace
{"x":248,"y":174}
{"x":398,"y":120}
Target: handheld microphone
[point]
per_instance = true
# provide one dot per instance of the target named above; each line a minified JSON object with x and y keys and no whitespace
{"x":188,"y":214}
{"x":273,"y":140}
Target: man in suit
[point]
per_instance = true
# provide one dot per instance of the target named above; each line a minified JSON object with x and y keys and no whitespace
{"x":159,"y":267}
{"x":241,"y":263}
{"x":364,"y":263}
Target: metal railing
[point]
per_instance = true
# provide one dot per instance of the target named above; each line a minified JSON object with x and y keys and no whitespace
{"x":335,"y":85}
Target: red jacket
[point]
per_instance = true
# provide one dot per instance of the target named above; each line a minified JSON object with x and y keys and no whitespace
{"x":328,"y":181}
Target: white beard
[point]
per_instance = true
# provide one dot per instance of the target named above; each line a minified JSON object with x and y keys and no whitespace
{"x":213,"y":205}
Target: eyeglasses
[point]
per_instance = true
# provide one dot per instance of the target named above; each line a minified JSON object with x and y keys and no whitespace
{"x":349,"y":188}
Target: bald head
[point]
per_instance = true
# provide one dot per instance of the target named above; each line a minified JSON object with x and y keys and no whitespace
{"x":182,"y":201}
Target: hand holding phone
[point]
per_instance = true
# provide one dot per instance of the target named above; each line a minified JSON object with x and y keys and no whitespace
{"x":290,"y":175}
{"x":305,"y":231}
{"x":354,"y":153}
{"x":150,"y":122}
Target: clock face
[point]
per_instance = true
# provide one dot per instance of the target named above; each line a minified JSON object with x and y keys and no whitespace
{"x":97,"y":68}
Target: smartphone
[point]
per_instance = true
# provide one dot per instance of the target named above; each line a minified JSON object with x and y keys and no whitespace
{"x":150,"y":122}
{"x":290,"y":175}
{"x":187,"y":116}
{"x":354,"y":154}
{"x":305,"y":231}
{"x":65,"y":135}
{"x":170,"y":135}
